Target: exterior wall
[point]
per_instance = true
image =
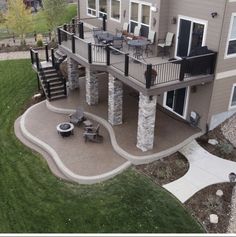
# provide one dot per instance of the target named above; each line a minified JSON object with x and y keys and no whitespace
{"x":226,"y":64}
{"x":225,"y":76}
{"x":201,"y":10}
{"x":199,"y":101}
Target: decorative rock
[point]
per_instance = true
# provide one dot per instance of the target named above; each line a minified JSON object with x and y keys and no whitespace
{"x":214,"y":219}
{"x":115,"y":101}
{"x":91,"y":88}
{"x":146,"y":122}
{"x":73,"y":73}
{"x":213,"y":142}
{"x":219,"y":193}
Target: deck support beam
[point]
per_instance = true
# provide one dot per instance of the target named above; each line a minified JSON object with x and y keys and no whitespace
{"x":73,"y":73}
{"x":115,"y":101}
{"x":92,"y":95}
{"x":146,"y":122}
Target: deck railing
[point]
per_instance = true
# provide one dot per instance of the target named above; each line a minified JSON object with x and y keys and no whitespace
{"x":147,"y":74}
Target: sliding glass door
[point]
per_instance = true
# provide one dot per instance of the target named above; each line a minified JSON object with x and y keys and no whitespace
{"x":191,"y":35}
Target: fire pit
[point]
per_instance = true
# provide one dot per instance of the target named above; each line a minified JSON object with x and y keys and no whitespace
{"x":65,"y":129}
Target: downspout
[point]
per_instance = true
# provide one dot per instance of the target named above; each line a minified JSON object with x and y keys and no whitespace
{"x":78,"y":10}
{"x":220,"y":43}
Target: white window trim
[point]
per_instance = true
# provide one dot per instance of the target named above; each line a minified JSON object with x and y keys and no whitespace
{"x":195,"y":20}
{"x":114,"y":19}
{"x":186,"y":102}
{"x":227,"y":56}
{"x":88,"y":8}
{"x":140,"y":13}
{"x":96,"y":10}
{"x":231,"y":98}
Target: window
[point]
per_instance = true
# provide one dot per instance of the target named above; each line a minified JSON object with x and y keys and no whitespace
{"x":115,"y":9}
{"x":92,"y":7}
{"x":233,"y":97}
{"x":140,"y":16}
{"x":231,"y":46}
{"x":102,"y":8}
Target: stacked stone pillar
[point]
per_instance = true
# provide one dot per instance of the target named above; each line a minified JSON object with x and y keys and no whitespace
{"x":91,"y":88}
{"x":73,"y":73}
{"x":146,"y":122}
{"x":115,"y":101}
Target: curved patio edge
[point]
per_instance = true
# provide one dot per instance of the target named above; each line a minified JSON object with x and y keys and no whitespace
{"x":65,"y":171}
{"x":136,"y":160}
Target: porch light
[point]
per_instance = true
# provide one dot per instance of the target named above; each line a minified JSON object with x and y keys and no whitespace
{"x":173,"y":20}
{"x":154,"y":8}
{"x":214,"y":14}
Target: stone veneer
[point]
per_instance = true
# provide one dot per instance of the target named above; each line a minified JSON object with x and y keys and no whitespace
{"x":73,"y":73}
{"x":115,"y":101}
{"x":146,"y":122}
{"x":91,"y":88}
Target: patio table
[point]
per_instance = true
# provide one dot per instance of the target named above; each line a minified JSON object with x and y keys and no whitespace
{"x":138,"y":44}
{"x":105,"y":37}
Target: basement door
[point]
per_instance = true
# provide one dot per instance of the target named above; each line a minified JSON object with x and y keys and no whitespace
{"x":176,"y":101}
{"x":191,"y":34}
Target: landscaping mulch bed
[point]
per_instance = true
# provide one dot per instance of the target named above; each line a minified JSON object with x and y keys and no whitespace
{"x":224,"y":149}
{"x":166,"y":169}
{"x":206,"y":202}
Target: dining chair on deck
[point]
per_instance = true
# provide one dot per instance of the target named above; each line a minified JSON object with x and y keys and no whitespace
{"x":151,"y":42}
{"x":167,"y":43}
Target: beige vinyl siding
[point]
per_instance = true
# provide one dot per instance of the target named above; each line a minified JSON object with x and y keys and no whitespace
{"x":199,"y":101}
{"x":221,"y":95}
{"x":223,"y":63}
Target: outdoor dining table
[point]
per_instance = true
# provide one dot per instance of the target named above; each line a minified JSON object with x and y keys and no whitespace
{"x":105,"y":37}
{"x":138,"y":44}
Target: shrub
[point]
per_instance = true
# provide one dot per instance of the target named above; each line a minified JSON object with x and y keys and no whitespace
{"x":39,"y":43}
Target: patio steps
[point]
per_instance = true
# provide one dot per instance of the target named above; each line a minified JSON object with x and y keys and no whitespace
{"x":53,"y":84}
{"x":59,"y":57}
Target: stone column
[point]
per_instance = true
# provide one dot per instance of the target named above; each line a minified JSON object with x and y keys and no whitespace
{"x":73,"y":73}
{"x":115,"y":101}
{"x":146,"y":122}
{"x":91,"y":88}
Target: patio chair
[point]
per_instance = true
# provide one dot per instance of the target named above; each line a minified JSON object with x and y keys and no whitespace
{"x":124,"y":30}
{"x":92,"y":134}
{"x":151,"y":41}
{"x":78,"y":117}
{"x":134,"y":35}
{"x":167,"y":43}
{"x":117,"y":44}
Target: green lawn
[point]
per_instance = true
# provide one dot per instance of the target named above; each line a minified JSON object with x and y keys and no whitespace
{"x":40,"y":24}
{"x":34,"y":200}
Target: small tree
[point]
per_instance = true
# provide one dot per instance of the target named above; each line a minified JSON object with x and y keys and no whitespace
{"x":18,"y":18}
{"x":54,"y":10}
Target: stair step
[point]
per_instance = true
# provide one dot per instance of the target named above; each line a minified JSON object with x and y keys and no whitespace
{"x":56,"y":88}
{"x":58,"y":97}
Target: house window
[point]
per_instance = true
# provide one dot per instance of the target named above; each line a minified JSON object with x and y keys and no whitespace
{"x":102,"y":8}
{"x":231,"y":46}
{"x":140,"y":15}
{"x":92,"y":7}
{"x":115,"y":10}
{"x":233,"y":97}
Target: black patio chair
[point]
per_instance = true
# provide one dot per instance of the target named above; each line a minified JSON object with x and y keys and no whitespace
{"x":92,"y":134}
{"x":78,"y":117}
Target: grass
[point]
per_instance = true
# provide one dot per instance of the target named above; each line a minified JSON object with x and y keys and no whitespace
{"x":33,"y":200}
{"x":40,"y":24}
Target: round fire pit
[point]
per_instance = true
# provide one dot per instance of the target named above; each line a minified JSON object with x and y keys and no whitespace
{"x":65,"y":129}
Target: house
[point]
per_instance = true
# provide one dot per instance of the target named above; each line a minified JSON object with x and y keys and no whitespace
{"x":197,"y":85}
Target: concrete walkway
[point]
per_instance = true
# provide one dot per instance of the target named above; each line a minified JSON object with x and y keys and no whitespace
{"x":205,"y":170}
{"x":19,"y":55}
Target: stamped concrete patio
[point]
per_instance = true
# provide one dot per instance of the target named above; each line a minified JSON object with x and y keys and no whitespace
{"x":170,"y":131}
{"x":90,"y":162}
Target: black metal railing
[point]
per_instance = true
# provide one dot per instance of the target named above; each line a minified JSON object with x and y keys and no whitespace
{"x":147,"y":74}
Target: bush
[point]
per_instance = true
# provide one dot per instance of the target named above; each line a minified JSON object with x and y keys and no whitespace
{"x":39,"y":43}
